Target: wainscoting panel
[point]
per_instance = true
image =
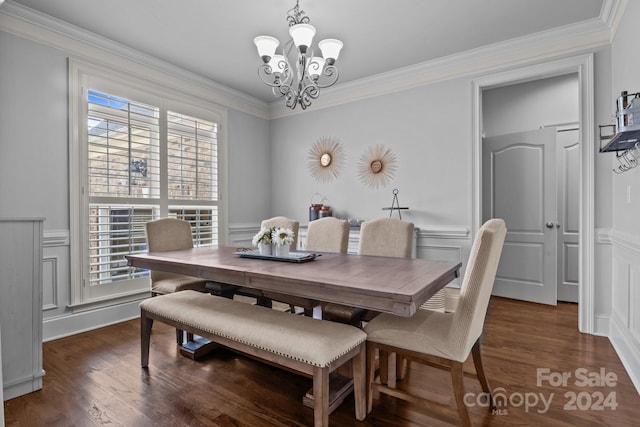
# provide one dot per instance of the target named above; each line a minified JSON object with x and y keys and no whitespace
{"x":625,"y":318}
{"x":634,"y":308}
{"x":49,"y":283}
{"x":55,"y":272}
{"x":242,"y":234}
{"x":603,"y":282}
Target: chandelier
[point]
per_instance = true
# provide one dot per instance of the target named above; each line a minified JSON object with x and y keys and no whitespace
{"x":300,"y":85}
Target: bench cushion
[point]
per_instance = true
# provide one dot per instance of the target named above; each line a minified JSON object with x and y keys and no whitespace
{"x":312,"y":341}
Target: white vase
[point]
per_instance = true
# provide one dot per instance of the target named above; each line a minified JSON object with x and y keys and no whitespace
{"x":282,"y":251}
{"x":264,"y":248}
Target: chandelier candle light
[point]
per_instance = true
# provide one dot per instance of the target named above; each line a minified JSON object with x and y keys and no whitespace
{"x":311,"y":73}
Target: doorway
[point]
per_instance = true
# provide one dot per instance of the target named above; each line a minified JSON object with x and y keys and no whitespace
{"x":529,"y":180}
{"x":583,"y":66}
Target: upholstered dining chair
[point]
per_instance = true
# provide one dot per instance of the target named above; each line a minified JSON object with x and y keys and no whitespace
{"x":388,"y":237}
{"x":171,"y":234}
{"x":443,"y":340}
{"x":328,"y":234}
{"x":284,"y":222}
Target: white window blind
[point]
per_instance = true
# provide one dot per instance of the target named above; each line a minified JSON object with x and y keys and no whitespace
{"x":125,"y":180}
{"x":192,"y":158}
{"x":116,"y":231}
{"x":123,"y":147}
{"x":203,"y":220}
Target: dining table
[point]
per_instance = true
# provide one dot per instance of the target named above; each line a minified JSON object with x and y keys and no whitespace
{"x":397,"y":286}
{"x":370,"y":284}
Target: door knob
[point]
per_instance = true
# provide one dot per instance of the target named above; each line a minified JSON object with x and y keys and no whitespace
{"x":550,"y":224}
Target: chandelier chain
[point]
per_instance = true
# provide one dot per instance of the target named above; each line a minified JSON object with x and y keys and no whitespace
{"x":295,"y":15}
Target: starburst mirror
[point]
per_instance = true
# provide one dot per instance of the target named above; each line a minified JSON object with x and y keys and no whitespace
{"x":377,"y":166}
{"x":326,"y":159}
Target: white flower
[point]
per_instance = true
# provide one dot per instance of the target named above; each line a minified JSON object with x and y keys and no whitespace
{"x":263,"y":236}
{"x":282,"y":236}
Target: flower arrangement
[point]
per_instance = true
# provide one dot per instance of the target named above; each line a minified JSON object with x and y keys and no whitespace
{"x":282,"y":236}
{"x":263,"y":236}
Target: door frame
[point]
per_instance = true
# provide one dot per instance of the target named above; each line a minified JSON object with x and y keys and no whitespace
{"x":583,"y":66}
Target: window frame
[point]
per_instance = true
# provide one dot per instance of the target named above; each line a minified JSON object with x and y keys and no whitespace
{"x":82,"y":77}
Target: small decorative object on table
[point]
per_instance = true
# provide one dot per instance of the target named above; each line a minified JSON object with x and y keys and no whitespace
{"x":282,"y":238}
{"x":263,"y":240}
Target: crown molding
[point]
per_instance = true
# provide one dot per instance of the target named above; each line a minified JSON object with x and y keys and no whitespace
{"x":611,"y":14}
{"x":558,"y":42}
{"x":81,"y":44}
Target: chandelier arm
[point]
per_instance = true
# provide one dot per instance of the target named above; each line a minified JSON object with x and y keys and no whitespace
{"x":309,"y":93}
{"x":284,"y":90}
{"x":291,"y":100}
{"x":265,"y":73}
{"x":275,"y":80}
{"x":332,"y":75}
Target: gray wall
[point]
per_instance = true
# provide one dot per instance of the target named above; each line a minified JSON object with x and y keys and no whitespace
{"x":528,"y":106}
{"x":33,"y":132}
{"x":625,"y":191}
{"x":249,"y":152}
{"x":428,"y":128}
{"x":34,"y":169}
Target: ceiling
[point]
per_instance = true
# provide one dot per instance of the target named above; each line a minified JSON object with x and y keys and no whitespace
{"x":214,"y":38}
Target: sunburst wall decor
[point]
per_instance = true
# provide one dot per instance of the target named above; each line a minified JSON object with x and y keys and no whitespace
{"x":377,"y":166}
{"x":326,"y":159}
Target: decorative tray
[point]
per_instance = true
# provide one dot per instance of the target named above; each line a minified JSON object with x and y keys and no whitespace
{"x":293,"y":256}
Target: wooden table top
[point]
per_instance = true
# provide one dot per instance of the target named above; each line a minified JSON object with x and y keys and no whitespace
{"x":388,"y":285}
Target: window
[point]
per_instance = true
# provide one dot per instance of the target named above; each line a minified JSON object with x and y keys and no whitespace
{"x":140,"y":157}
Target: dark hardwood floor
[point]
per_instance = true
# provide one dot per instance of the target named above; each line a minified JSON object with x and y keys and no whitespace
{"x":95,"y":379}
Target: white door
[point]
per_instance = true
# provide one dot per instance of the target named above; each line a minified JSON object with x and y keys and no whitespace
{"x":519,"y":186}
{"x":568,"y":159}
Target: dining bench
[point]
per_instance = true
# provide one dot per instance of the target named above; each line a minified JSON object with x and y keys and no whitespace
{"x":309,"y":346}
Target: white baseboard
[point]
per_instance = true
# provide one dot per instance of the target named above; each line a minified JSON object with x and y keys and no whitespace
{"x":627,"y":350}
{"x":63,"y":326}
{"x":601,"y":325}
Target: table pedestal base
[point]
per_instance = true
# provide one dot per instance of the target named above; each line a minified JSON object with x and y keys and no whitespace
{"x":197,"y":348}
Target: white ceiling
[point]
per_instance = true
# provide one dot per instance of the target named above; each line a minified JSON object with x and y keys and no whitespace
{"x":214,"y":38}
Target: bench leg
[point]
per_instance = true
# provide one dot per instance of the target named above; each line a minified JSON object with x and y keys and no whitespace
{"x":145,"y":339}
{"x":320,"y":397}
{"x":359,"y":383}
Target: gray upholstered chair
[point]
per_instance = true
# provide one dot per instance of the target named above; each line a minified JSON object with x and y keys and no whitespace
{"x":284,"y":222}
{"x":171,"y":234}
{"x":443,"y":340}
{"x":328,"y":234}
{"x":388,"y":237}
